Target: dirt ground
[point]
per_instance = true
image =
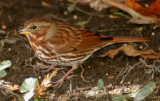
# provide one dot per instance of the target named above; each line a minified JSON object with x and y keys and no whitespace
{"x":13,"y":14}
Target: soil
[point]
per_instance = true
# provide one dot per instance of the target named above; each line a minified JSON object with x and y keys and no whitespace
{"x":16,"y":48}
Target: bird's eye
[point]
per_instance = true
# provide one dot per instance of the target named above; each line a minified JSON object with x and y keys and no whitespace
{"x":34,"y":27}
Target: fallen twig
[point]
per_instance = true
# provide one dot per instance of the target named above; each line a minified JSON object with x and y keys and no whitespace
{"x":152,"y":66}
{"x":127,"y":71}
{"x":136,"y":17}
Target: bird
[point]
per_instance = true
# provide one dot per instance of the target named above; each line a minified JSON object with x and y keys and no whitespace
{"x":58,"y":44}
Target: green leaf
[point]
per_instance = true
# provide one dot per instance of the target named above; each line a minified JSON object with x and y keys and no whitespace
{"x":121,"y":14}
{"x":3,"y":73}
{"x":139,"y":29}
{"x":102,"y":25}
{"x":92,"y":93}
{"x":71,"y":8}
{"x":81,"y":23}
{"x":119,"y":98}
{"x":102,"y":16}
{"x":95,"y":91}
{"x":100,"y":83}
{"x":145,"y":91}
{"x":133,"y":94}
{"x":38,"y":99}
{"x":28,"y":85}
{"x":5,"y":64}
{"x":28,"y":96}
{"x":133,"y":44}
{"x":149,"y":71}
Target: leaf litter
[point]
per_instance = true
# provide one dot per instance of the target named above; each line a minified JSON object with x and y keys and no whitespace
{"x":129,"y":50}
{"x":40,"y":89}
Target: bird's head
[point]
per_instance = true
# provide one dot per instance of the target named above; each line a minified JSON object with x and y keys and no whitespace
{"x":36,"y":28}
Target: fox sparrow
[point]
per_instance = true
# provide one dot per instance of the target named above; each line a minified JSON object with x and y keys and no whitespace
{"x":60,"y":44}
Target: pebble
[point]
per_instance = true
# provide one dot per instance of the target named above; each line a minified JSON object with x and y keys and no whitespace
{"x":153,"y":33}
{"x":4,"y":27}
{"x":65,"y":13}
{"x":9,"y":49}
{"x":75,"y":17}
{"x":140,"y":47}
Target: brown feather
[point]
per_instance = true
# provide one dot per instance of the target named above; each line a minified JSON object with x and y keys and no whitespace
{"x":73,"y":39}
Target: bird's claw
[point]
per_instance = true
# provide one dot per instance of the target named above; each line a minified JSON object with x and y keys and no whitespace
{"x":61,"y":81}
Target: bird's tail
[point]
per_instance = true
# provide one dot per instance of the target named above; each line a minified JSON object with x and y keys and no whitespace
{"x":129,"y":39}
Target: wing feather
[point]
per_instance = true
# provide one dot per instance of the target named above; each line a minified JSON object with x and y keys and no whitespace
{"x":70,"y":39}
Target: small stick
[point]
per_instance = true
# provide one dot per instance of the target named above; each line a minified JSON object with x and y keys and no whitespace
{"x":136,"y":17}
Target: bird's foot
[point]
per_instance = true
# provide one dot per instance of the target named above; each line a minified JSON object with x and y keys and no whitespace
{"x":61,"y":81}
{"x":66,"y":76}
{"x":48,"y":68}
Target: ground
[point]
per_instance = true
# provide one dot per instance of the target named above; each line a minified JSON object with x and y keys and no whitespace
{"x":16,"y":48}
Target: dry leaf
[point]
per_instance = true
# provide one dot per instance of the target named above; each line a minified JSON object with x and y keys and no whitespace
{"x":15,"y":87}
{"x":46,"y":83}
{"x":40,"y":88}
{"x":130,"y":51}
{"x":46,"y":4}
{"x":8,"y":85}
{"x":152,"y":10}
{"x":111,"y":77}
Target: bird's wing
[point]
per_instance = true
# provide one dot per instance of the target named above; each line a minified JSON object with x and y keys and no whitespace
{"x":72,"y":39}
{"x":92,"y":41}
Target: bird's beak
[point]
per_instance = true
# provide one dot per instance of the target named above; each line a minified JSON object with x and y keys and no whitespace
{"x":23,"y":31}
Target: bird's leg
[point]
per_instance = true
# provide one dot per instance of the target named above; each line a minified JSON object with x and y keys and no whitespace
{"x":60,"y":82}
{"x":47,"y":67}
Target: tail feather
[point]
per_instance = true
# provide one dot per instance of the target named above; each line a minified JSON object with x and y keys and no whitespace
{"x":128,"y":39}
